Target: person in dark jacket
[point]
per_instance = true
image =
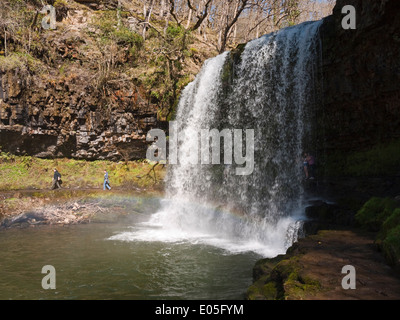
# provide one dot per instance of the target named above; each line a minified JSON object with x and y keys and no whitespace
{"x":56,"y":180}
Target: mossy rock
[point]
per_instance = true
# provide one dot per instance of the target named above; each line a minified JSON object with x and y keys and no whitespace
{"x":270,"y":291}
{"x":374,"y":212}
{"x":265,"y":266}
{"x":236,"y":54}
{"x":228,"y":71}
{"x":254,"y":293}
{"x":295,"y":284}
{"x":265,"y":288}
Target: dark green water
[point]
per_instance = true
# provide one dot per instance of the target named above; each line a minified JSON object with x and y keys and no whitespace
{"x":90,"y":266}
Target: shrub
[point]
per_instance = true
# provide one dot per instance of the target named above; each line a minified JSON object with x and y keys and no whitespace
{"x":390,"y":223}
{"x":391,"y":246}
{"x":126,"y":37}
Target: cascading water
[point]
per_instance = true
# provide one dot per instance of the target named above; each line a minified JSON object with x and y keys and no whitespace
{"x":269,"y":87}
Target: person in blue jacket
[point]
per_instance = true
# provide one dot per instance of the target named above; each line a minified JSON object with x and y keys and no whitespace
{"x":106,"y":183}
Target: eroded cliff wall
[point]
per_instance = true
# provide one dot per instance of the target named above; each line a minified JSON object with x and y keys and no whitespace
{"x":66,"y":118}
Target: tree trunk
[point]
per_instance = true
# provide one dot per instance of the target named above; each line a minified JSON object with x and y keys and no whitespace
{"x":229,"y":25}
{"x":167,"y":17}
{"x":147,"y":18}
{"x":235,"y":25}
{"x":162,"y":8}
{"x":5,"y":42}
{"x":205,"y":32}
{"x":119,"y":14}
{"x":189,"y":19}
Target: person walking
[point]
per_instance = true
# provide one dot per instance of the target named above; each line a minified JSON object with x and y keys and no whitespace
{"x":56,"y":184}
{"x":106,"y":183}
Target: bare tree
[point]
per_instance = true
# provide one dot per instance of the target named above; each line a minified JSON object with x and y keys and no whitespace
{"x":147,"y":10}
{"x":201,"y":12}
{"x":230,"y":21}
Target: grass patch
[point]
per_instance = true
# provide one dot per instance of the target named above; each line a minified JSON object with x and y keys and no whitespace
{"x":18,"y":173}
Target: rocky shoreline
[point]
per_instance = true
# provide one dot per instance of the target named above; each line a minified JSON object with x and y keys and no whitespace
{"x":333,"y":237}
{"x":68,"y":207}
{"x":312,"y":270}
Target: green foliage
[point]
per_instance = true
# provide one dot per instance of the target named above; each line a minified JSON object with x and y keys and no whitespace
{"x":174,"y":32}
{"x":60,"y":3}
{"x":124,"y":36}
{"x":391,"y":246}
{"x":374,"y":212}
{"x":107,"y":23}
{"x":390,"y":223}
{"x":18,"y":60}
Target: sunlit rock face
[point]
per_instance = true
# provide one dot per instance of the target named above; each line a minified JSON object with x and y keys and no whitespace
{"x":67,"y":119}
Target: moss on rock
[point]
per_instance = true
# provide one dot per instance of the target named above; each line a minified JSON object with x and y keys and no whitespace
{"x":233,"y":59}
{"x":382,"y":215}
{"x":374,"y":212}
{"x":285,"y":280}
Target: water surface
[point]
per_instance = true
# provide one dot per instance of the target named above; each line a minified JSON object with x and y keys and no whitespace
{"x":91,"y":266}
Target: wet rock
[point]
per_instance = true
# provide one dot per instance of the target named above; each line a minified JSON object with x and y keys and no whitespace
{"x":322,"y":215}
{"x":311,"y":270}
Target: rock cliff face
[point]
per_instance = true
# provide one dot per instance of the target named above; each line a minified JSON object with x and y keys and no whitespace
{"x":361,"y":79}
{"x":66,"y":119}
{"x":53,"y":102}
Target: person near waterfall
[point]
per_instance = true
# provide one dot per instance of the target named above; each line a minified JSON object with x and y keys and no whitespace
{"x":305,"y":165}
{"x":56,"y":184}
{"x":311,"y":166}
{"x":106,"y":183}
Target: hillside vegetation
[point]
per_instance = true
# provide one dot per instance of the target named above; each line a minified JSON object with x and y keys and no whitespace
{"x":149,"y":48}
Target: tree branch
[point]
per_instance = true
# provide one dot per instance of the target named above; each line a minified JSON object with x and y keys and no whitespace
{"x":172,"y":12}
{"x":202,"y":17}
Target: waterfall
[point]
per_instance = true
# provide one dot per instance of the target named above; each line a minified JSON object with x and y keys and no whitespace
{"x":268,"y":87}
